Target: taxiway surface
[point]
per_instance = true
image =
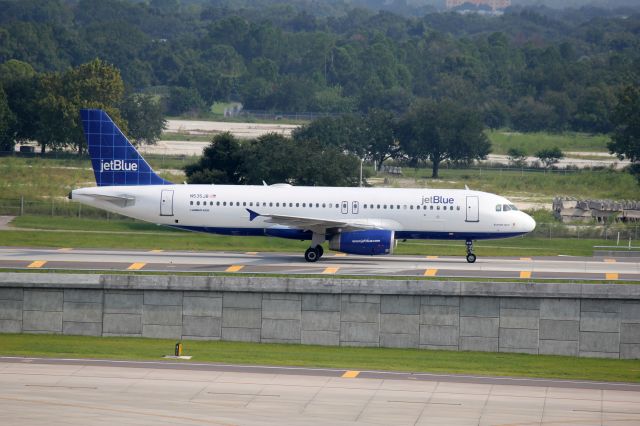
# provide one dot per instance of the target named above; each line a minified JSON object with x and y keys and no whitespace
{"x":561,"y":267}
{"x":80,"y":392}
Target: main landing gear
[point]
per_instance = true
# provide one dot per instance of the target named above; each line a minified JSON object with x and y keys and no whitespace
{"x":315,"y":252}
{"x":470,"y":256}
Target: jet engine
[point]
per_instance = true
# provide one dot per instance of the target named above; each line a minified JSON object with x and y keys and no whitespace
{"x":363,"y":242}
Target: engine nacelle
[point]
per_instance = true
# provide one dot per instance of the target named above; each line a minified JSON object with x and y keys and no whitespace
{"x":363,"y":242}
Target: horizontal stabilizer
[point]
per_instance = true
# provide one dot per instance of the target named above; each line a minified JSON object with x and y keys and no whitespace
{"x":123,"y":200}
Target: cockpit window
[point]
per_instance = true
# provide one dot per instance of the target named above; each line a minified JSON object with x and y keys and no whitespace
{"x":506,"y":208}
{"x":498,"y":207}
{"x":513,"y":207}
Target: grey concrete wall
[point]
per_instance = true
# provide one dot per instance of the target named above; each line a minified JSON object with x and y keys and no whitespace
{"x":559,"y":319}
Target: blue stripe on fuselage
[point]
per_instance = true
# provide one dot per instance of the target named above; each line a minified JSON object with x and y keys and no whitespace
{"x":298,"y":234}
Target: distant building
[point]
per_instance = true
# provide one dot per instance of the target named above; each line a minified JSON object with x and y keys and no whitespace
{"x":494,"y":5}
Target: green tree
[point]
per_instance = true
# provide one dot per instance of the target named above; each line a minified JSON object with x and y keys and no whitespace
{"x":379,"y":136}
{"x":517,"y":157}
{"x":277,"y":159}
{"x":182,"y":100}
{"x":7,"y":124}
{"x":21,"y":85}
{"x":94,"y":84}
{"x":439,"y":131}
{"x":221,"y":162}
{"x":143,"y":115}
{"x":625,"y":140}
{"x":550,"y":156}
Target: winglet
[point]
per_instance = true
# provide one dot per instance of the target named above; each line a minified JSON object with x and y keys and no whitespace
{"x":252,"y":215}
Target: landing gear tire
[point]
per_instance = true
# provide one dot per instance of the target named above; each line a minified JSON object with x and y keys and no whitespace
{"x":471,"y":258}
{"x":320,"y":251}
{"x":312,"y":254}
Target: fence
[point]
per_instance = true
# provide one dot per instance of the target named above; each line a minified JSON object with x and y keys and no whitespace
{"x":619,"y":233}
{"x":54,"y":207}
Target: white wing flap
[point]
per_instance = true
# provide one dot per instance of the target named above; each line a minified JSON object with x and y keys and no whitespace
{"x":315,"y":224}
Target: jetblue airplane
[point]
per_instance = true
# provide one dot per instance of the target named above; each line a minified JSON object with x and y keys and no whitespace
{"x":365,"y":221}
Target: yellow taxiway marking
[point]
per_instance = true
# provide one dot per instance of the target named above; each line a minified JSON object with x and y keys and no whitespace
{"x":136,"y":266}
{"x":234,"y":268}
{"x":330,"y":270}
{"x":37,"y":264}
{"x":610,"y":261}
{"x":432,"y":257}
{"x":611,"y":275}
{"x":65,"y":249}
{"x":430,"y":272}
{"x":525,"y":274}
{"x":340,"y":254}
{"x":350,"y":374}
{"x":525,"y":258}
{"x":156,"y":251}
{"x":251,"y":252}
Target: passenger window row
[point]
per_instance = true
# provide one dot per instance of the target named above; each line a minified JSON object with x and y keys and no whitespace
{"x":325,"y":205}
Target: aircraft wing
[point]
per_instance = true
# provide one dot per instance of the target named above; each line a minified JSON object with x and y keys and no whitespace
{"x":122,"y":200}
{"x":313,"y":224}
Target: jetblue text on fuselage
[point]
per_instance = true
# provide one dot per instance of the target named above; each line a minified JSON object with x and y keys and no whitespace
{"x":437,"y":199}
{"x":118,"y":166}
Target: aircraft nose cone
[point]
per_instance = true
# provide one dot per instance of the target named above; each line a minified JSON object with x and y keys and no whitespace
{"x":529,"y":223}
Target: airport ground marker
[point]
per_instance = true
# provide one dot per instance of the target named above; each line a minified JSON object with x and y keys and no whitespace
{"x":611,"y":276}
{"x":37,"y":264}
{"x":525,"y":274}
{"x":430,"y":272}
{"x":350,"y":374}
{"x":136,"y":266}
{"x":234,"y":268}
{"x":330,"y":270}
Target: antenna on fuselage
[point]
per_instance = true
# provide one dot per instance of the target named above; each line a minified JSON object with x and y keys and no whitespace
{"x":466,"y":187}
{"x":264,"y":183}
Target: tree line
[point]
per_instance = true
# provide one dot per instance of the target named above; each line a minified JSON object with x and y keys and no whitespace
{"x":531,"y":69}
{"x":329,"y":151}
{"x":45,"y":107}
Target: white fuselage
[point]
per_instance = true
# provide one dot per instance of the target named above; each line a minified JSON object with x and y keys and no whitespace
{"x":411,"y":213}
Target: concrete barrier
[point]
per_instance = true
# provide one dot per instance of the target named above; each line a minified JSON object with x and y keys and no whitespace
{"x":590,"y":320}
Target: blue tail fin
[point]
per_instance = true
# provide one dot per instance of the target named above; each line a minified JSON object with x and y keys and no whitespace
{"x":115,"y":161}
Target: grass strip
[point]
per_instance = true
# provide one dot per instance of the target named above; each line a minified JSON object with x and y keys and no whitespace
{"x":415,"y":360}
{"x":99,"y":233}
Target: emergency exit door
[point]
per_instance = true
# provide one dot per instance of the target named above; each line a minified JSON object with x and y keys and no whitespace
{"x":472,"y":209}
{"x":166,"y":202}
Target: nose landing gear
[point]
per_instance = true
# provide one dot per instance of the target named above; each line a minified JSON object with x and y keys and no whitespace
{"x":471,"y":258}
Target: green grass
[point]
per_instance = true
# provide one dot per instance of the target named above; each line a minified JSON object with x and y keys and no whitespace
{"x":414,"y":360}
{"x":502,"y":141}
{"x":38,"y":177}
{"x":96,"y":233}
{"x":600,"y":184}
{"x":54,"y":177}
